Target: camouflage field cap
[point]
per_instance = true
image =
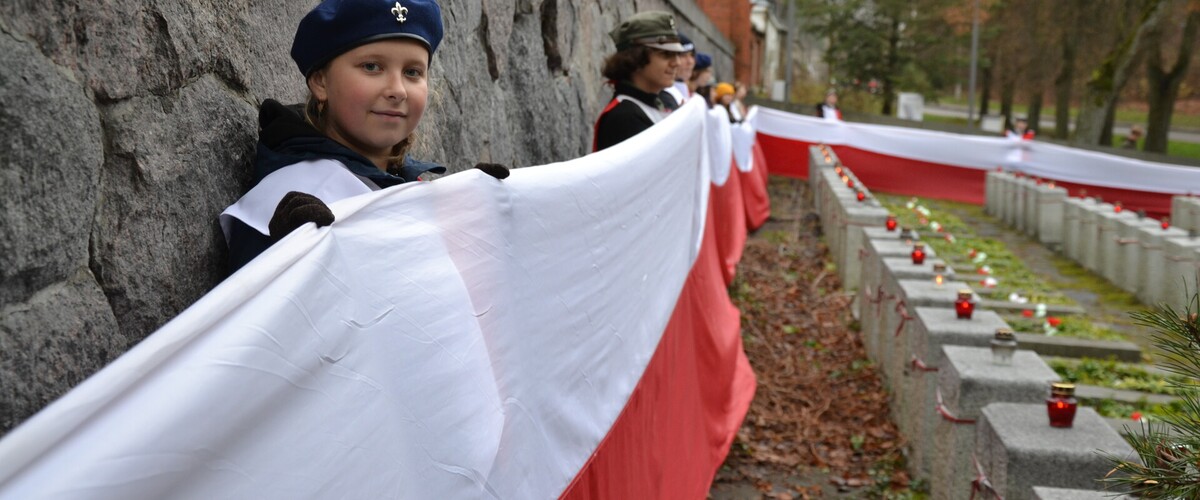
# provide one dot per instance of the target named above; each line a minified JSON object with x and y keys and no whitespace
{"x":649,"y":29}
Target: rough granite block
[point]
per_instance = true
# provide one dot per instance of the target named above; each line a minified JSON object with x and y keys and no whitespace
{"x":1089,"y":236}
{"x":1109,"y":244}
{"x":1075,"y":210}
{"x":817,"y":162}
{"x":1129,"y":250}
{"x":1011,"y":196}
{"x":909,"y":294}
{"x":967,"y":381}
{"x":1018,"y":449}
{"x":1185,"y":212}
{"x":851,"y":240}
{"x":1179,"y":271}
{"x":991,"y":183}
{"x":931,"y":329}
{"x":1152,"y":266}
{"x":876,"y":290}
{"x":1024,"y":194}
{"x":1050,"y":213}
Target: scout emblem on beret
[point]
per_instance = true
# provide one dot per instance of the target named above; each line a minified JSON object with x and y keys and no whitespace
{"x":400,"y":12}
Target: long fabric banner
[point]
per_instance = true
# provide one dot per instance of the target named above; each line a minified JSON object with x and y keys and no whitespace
{"x":953,"y":166}
{"x":565,"y":332}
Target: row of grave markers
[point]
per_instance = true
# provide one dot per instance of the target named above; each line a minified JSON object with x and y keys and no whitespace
{"x":1156,"y":260}
{"x":976,"y":428}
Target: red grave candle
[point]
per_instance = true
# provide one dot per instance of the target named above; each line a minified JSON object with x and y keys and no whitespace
{"x":1166,"y":223}
{"x":1117,"y":207}
{"x":918,"y":253}
{"x":1061,"y":404}
{"x":861,"y":196}
{"x":849,"y":183}
{"x":963,"y":307}
{"x":891,"y":222}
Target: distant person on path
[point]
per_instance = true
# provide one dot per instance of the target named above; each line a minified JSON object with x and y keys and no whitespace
{"x":828,"y":109}
{"x":738,"y":108}
{"x":724,"y":95}
{"x":687,"y":61}
{"x":1020,"y":130}
{"x":641,"y":71}
{"x":366,"y":64}
{"x":1131,"y":140}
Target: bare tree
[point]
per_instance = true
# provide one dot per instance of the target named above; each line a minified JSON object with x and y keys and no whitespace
{"x":1164,"y":82}
{"x":1104,"y":87}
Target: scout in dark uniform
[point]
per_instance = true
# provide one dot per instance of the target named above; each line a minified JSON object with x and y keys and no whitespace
{"x":366,"y":63}
{"x":641,"y":70}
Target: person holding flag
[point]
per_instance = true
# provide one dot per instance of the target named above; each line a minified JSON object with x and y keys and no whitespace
{"x":642,"y":69}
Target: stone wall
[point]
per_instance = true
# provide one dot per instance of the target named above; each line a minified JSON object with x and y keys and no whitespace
{"x":129,"y":125}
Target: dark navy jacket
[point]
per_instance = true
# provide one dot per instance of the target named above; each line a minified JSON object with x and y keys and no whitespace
{"x":284,"y":139}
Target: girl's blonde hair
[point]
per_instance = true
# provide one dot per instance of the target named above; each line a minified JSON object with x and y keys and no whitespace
{"x":314,"y":114}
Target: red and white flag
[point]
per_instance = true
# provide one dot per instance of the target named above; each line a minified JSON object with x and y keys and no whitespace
{"x":953,"y":166}
{"x":562,"y":333}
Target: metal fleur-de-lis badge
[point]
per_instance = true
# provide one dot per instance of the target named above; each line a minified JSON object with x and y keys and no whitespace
{"x":400,"y":12}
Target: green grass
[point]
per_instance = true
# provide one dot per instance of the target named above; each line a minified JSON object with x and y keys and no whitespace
{"x":1116,"y":409}
{"x":1117,"y":375}
{"x":1012,"y":274}
{"x":1071,"y":326}
{"x":1124,"y":115}
{"x":952,"y":120}
{"x":1174,"y":148}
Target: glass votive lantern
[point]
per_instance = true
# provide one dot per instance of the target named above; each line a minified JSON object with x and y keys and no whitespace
{"x":891,"y":222}
{"x":1004,"y":345}
{"x":918,"y":253}
{"x":939,"y":273}
{"x":963,"y":307}
{"x":1061,"y":404}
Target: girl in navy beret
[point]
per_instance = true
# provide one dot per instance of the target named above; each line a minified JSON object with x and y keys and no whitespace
{"x":366,"y":64}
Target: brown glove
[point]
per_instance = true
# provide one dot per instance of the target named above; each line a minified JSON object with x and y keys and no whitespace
{"x":493,"y":169}
{"x":295,"y":210}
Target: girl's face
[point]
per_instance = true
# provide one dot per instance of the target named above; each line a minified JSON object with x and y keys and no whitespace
{"x":659,"y":73}
{"x":374,"y":95}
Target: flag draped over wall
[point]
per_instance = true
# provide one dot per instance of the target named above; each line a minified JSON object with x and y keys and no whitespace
{"x":565,"y":332}
{"x":953,"y":166}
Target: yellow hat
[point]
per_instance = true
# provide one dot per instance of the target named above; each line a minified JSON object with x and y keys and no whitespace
{"x":724,"y":89}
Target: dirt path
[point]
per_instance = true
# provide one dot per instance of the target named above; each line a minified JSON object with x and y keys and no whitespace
{"x":819,"y":425}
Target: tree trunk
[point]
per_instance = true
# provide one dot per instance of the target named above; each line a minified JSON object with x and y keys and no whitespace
{"x":1110,"y":119}
{"x":1107,"y":81}
{"x":893,"y":59}
{"x":1066,"y":74}
{"x":1035,"y":111}
{"x":1164,"y":84}
{"x":1006,"y":102}
{"x":985,"y":85}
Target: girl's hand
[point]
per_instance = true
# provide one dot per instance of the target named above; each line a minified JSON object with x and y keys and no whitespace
{"x":493,"y":169}
{"x":295,"y":210}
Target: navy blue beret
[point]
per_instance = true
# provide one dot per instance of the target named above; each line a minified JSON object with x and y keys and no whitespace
{"x":337,"y":26}
{"x":703,"y":61}
{"x":687,"y":42}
